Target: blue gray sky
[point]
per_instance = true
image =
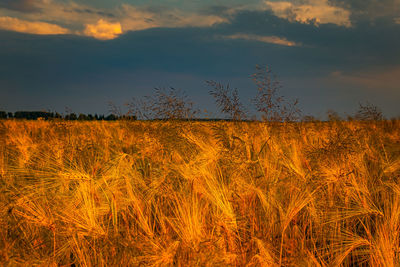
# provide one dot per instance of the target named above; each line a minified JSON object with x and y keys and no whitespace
{"x":330,"y":54}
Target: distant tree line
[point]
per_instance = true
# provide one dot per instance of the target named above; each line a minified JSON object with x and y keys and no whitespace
{"x":366,"y":112}
{"x":44,"y":115}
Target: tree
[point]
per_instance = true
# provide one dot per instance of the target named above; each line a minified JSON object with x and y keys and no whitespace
{"x":114,"y":110}
{"x":3,"y":115}
{"x":272,"y":106}
{"x":309,"y":118}
{"x":369,"y":112}
{"x":71,"y":116}
{"x":111,"y":117}
{"x":164,"y":104}
{"x":82,"y":117}
{"x":333,"y":115}
{"x":227,"y":99}
{"x":32,"y":115}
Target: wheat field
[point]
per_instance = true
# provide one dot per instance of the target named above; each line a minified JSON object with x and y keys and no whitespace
{"x":170,"y":193}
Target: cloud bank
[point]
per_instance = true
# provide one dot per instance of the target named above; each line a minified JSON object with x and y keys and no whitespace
{"x":103,"y":30}
{"x":103,"y":24}
{"x":259,"y":38}
{"x":311,"y":11}
{"x":32,"y":27}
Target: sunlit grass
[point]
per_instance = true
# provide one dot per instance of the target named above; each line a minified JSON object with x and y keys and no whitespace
{"x":199,"y":193}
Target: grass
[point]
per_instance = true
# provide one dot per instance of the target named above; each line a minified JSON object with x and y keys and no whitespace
{"x":199,"y":193}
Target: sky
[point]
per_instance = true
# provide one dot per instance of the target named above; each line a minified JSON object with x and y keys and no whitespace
{"x":78,"y":56}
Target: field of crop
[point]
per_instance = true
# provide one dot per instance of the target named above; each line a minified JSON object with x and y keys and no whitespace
{"x":199,"y":193}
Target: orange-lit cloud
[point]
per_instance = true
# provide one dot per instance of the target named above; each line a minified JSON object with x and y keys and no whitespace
{"x":317,"y":11}
{"x":196,"y":20}
{"x":134,"y":19}
{"x":68,"y":13}
{"x":99,"y":23}
{"x":33,"y":27}
{"x":265,"y":39}
{"x":103,"y":30}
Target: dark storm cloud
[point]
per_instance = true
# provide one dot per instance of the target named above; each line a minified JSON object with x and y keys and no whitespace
{"x":19,"y":5}
{"x":370,"y":10}
{"x":66,"y":57}
{"x":90,"y":12}
{"x":362,"y":44}
{"x":218,"y":10}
